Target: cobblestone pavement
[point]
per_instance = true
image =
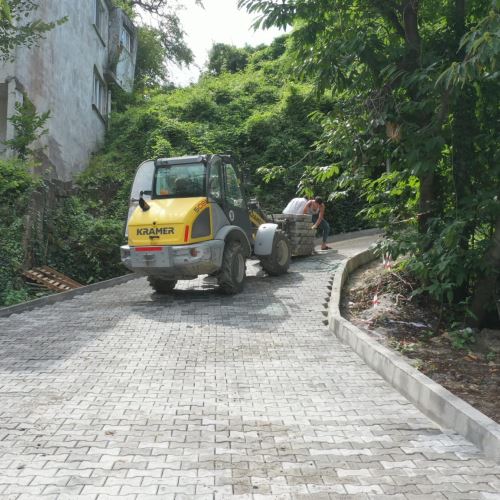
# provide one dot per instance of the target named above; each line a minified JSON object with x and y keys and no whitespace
{"x":122,"y":392}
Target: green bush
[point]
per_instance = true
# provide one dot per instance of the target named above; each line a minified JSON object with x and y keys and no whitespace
{"x":83,"y":246}
{"x":16,"y":186}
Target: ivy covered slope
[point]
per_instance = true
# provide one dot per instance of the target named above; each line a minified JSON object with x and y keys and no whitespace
{"x":249,"y":112}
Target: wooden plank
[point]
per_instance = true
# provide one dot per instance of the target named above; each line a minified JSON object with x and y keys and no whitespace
{"x":51,"y":279}
{"x":65,"y":279}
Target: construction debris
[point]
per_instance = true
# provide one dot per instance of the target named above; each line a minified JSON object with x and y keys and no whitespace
{"x":51,"y":279}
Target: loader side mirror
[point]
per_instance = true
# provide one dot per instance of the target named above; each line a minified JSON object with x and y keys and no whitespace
{"x":142,"y":203}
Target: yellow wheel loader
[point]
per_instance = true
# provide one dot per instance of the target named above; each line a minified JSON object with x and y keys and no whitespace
{"x":188,"y":216}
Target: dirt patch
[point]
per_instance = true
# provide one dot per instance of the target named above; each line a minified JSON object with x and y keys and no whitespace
{"x":467,"y":363}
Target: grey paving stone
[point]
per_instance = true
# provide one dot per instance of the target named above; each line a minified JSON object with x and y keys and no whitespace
{"x":124,"y":393}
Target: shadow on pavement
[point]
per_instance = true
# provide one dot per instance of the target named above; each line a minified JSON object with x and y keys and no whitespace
{"x":263,"y":304}
{"x":45,"y":338}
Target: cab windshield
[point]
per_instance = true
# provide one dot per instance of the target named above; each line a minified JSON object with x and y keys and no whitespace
{"x":180,"y":181}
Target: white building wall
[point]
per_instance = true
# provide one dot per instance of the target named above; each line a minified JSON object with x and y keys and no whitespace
{"x":58,"y":76}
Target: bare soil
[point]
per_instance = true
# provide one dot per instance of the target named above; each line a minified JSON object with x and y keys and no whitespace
{"x":467,"y":363}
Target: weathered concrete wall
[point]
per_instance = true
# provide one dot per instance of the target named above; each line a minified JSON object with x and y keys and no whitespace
{"x":58,"y":76}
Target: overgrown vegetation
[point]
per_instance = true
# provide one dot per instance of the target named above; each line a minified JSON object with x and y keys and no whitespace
{"x":16,"y":187}
{"x":414,"y":128}
{"x":250,"y":112}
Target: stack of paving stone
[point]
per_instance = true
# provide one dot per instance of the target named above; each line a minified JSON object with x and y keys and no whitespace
{"x":299,"y":232}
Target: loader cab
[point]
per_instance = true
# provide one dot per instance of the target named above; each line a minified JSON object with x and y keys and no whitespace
{"x":212,"y":176}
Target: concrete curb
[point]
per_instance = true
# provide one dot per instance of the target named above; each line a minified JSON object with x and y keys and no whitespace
{"x":446,"y":409}
{"x":59,"y":297}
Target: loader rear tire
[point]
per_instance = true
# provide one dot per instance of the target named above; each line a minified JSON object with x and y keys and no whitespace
{"x":232,"y":274}
{"x":279,"y":261}
{"x":161,"y":285}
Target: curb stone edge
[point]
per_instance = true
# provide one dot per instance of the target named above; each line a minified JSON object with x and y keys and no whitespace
{"x":60,"y":296}
{"x":436,"y":402}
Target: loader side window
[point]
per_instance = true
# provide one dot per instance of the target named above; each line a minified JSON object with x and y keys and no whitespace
{"x":143,"y":181}
{"x":233,"y":191}
{"x":214,"y":181}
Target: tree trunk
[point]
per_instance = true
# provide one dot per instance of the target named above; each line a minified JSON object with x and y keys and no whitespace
{"x":426,"y":201}
{"x":412,"y":35}
{"x":485,"y":289}
{"x":464,"y":126}
{"x":409,"y":8}
{"x":464,"y":131}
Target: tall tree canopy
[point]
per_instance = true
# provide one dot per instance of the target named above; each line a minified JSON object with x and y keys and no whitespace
{"x":416,"y":125}
{"x":161,"y":28}
{"x":223,"y":57}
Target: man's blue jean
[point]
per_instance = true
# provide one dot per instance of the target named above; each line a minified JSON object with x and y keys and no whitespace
{"x":324,"y":227}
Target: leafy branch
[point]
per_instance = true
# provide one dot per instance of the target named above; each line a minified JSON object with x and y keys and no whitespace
{"x":27,"y":124}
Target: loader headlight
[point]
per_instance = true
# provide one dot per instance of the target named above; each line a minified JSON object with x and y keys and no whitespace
{"x":192,"y":254}
{"x":125,"y":252}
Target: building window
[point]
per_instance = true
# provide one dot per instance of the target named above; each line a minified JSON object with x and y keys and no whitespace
{"x":100,"y":18}
{"x":100,"y":95}
{"x":126,"y":38}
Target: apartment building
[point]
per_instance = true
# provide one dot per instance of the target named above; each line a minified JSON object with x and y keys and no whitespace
{"x":71,"y":74}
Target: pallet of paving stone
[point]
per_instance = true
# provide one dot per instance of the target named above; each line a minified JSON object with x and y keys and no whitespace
{"x":299,"y":232}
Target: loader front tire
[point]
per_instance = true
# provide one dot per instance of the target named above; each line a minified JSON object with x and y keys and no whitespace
{"x":161,"y":285}
{"x":231,"y":277}
{"x":279,"y":261}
